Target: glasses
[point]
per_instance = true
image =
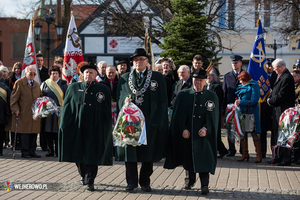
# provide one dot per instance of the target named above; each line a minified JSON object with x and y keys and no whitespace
{"x":139,"y":60}
{"x":58,"y":62}
{"x":32,"y":73}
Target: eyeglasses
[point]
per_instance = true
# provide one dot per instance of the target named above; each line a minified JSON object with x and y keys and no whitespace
{"x":139,"y":60}
{"x":58,"y":62}
{"x":32,"y":73}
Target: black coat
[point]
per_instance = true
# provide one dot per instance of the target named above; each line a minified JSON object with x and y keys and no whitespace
{"x":230,"y":84}
{"x":169,"y":85}
{"x":44,"y":75}
{"x":282,"y":96}
{"x":181,"y":86}
{"x":266,"y":111}
{"x":4,"y":106}
{"x":50,"y":123}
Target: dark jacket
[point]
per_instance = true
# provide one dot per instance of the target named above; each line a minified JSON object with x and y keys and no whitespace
{"x":115,"y":86}
{"x":50,"y":123}
{"x":180,"y":85}
{"x":230,"y":84}
{"x":85,"y":134}
{"x":193,"y":111}
{"x":282,"y":96}
{"x":4,"y":105}
{"x":44,"y":75}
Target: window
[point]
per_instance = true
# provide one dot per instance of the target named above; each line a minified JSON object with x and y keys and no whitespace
{"x":262,"y":7}
{"x":222,"y":12}
{"x":18,"y":43}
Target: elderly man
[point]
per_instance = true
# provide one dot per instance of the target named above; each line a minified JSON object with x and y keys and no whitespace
{"x":281,"y":98}
{"x":122,"y":67}
{"x":193,"y":133}
{"x":158,"y":68}
{"x":230,"y":83}
{"x":147,"y":89}
{"x":25,"y":91}
{"x":85,"y":130}
{"x":101,"y":71}
{"x":4,"y":109}
{"x":111,"y":81}
{"x":213,"y":84}
{"x":184,"y":81}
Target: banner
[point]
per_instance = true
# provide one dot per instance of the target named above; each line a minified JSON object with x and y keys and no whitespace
{"x":148,"y":49}
{"x":73,"y":52}
{"x":257,"y":64}
{"x":29,"y":55}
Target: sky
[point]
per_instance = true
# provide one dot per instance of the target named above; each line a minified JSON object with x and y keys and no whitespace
{"x":13,"y":8}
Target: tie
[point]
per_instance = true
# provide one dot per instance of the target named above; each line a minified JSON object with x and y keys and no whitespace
{"x":31,"y":83}
{"x":111,"y":85}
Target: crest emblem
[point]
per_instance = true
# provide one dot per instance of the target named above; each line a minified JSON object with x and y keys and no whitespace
{"x":74,"y":38}
{"x":210,"y":105}
{"x":100,"y":97}
{"x":153,"y":85}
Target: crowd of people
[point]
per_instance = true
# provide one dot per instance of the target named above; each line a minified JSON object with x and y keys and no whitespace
{"x":90,"y":103}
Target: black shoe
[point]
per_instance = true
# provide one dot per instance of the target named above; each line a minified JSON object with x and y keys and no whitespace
{"x":230,"y":154}
{"x":49,"y":155}
{"x":130,"y":187}
{"x":90,"y":187}
{"x":221,"y":155}
{"x":25,"y":156}
{"x":284,"y":164}
{"x":204,"y":190}
{"x":188,"y":186}
{"x":272,"y":161}
{"x":35,"y":156}
{"x":146,"y":188}
{"x":297,"y":162}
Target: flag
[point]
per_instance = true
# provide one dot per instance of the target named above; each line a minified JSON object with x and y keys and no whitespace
{"x":73,"y":52}
{"x":29,"y":55}
{"x":148,"y":49}
{"x":257,"y":64}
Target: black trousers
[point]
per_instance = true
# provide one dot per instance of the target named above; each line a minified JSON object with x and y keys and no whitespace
{"x":43,"y":141}
{"x":132,"y":173}
{"x":28,"y":142}
{"x":18,"y":140}
{"x":190,"y":178}
{"x":52,"y":137}
{"x":88,"y":172}
{"x":2,"y":132}
{"x":231,"y":143}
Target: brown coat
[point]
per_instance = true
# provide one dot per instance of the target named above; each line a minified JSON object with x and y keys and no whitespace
{"x":22,"y":98}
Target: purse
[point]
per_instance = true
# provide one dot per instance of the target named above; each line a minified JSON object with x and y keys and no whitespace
{"x":249,"y":120}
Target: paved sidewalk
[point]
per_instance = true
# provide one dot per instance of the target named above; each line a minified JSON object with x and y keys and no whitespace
{"x":232,"y":180}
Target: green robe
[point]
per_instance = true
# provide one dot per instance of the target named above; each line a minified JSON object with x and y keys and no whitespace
{"x":192,"y":111}
{"x":85,"y":134}
{"x":155,"y":110}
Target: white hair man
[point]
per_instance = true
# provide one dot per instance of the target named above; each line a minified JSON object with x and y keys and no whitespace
{"x":101,"y":71}
{"x":25,"y":91}
{"x":184,"y":81}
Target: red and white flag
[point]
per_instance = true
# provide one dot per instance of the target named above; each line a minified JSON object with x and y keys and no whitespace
{"x":29,"y":55}
{"x":73,"y":52}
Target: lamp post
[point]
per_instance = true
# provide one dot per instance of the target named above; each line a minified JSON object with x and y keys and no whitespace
{"x":275,"y":46}
{"x":59,"y":30}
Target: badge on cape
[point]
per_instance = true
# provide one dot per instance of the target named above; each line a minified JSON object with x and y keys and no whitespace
{"x":100,"y":97}
{"x":153,"y":85}
{"x":210,"y":105}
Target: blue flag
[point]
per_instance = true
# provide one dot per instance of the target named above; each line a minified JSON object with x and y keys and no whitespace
{"x":257,"y":68}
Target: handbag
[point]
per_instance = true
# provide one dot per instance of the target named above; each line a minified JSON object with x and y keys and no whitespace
{"x":249,"y":120}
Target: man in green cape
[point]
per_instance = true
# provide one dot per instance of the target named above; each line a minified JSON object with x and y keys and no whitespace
{"x":148,"y":91}
{"x":193,"y":133}
{"x":85,"y":135}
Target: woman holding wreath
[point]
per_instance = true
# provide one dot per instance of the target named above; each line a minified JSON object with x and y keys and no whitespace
{"x":55,"y":88}
{"x":248,"y":93}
